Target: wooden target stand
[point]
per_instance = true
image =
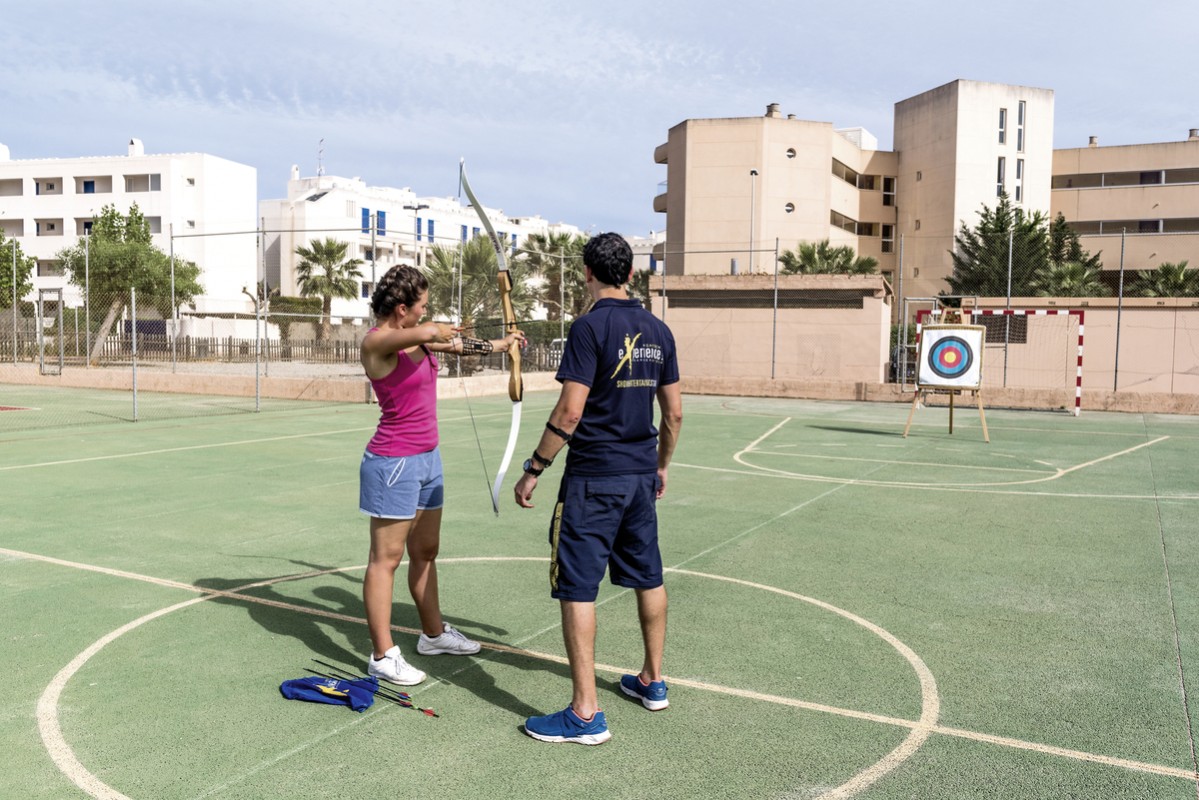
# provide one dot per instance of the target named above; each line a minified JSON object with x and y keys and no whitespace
{"x":921,"y":391}
{"x":970,"y":340}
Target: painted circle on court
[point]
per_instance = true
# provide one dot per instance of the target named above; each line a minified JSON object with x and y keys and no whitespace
{"x":919,"y":730}
{"x":951,"y":357}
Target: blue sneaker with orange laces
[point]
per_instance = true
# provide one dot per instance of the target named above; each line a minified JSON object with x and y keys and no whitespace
{"x":652,"y":696}
{"x":567,"y":726}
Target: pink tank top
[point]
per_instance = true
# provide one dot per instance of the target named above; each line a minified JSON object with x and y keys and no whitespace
{"x":408,"y":406}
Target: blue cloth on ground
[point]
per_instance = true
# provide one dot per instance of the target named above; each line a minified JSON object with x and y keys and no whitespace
{"x":357,"y":694}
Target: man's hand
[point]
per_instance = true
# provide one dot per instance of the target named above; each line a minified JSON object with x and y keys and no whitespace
{"x":661,"y":482}
{"x":524,"y":490}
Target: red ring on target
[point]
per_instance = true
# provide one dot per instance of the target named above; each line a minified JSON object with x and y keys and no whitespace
{"x":951,"y":357}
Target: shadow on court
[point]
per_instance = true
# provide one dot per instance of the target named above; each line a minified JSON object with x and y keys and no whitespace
{"x":319,"y":634}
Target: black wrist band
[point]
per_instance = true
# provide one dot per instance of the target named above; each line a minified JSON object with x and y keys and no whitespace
{"x":563,"y":435}
{"x":542,"y":459}
{"x":475,"y":347}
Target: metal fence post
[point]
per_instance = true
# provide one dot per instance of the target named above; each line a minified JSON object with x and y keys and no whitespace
{"x":1119,"y":313}
{"x":133,"y":337}
{"x":13,"y":244}
{"x":774,"y":324}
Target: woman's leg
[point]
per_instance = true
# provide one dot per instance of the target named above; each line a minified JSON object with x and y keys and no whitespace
{"x":387,"y":549}
{"x":423,"y":544}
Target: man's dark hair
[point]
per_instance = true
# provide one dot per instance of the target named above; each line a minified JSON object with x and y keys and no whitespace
{"x":609,"y":257}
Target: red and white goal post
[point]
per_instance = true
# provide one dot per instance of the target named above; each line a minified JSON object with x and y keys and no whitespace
{"x":1038,"y":348}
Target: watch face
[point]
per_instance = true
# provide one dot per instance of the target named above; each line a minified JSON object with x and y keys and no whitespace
{"x":528,"y":467}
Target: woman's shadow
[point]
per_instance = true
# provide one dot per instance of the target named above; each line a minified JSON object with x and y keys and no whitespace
{"x":339,"y":615}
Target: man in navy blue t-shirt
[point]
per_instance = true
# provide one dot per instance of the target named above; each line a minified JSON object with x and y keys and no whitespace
{"x":618,"y":360}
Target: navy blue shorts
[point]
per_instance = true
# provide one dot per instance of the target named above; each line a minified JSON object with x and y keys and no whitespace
{"x":608,"y":522}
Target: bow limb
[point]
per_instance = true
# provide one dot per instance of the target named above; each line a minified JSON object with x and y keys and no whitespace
{"x":515,"y":383}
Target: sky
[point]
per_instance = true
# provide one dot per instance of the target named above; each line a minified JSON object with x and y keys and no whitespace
{"x":556,"y":107}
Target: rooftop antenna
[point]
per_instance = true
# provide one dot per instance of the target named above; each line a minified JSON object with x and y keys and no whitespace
{"x":320,"y":158}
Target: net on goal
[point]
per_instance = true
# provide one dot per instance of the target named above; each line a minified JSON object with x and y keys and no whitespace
{"x":1036,"y":349}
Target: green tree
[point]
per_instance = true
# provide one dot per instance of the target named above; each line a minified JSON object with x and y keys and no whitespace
{"x":118,"y":256}
{"x":470,"y":271}
{"x":639,"y":286}
{"x":558,"y":259}
{"x":821,"y":258}
{"x":981,"y":255}
{"x":324,"y":271}
{"x":1070,"y":279}
{"x":1168,"y":280}
{"x":24,"y":271}
{"x":1064,"y":245}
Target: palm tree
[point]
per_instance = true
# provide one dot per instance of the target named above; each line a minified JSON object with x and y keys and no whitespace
{"x":1168,"y":280}
{"x":469,"y":270}
{"x":821,"y":258}
{"x":558,"y":258}
{"x":325,"y":272}
{"x":1069,"y":279}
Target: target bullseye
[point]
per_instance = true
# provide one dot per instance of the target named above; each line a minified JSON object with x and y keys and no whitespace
{"x":951,"y":357}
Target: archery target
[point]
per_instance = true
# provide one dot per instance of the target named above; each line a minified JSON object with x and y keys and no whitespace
{"x":951,"y":356}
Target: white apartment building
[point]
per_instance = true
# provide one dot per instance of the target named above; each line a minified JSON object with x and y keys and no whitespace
{"x":383,"y":226}
{"x":193,"y":201}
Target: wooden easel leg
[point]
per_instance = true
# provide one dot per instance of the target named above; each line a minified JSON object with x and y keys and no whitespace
{"x":912,"y":413}
{"x":951,"y":396}
{"x":982,"y":417}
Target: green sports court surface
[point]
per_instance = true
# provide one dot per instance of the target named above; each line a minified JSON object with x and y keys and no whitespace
{"x":853,"y":613}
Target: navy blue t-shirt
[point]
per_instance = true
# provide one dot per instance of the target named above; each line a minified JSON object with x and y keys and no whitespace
{"x":624,"y":353}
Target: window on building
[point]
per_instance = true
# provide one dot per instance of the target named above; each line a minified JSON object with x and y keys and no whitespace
{"x":1020,"y":127}
{"x":1019,"y":187}
{"x":888,"y":191}
{"x":463,"y":233}
{"x":845,"y":173}
{"x":1186,"y":175}
{"x":417,"y":229}
{"x":366,"y":220}
{"x":89,"y":187}
{"x":368,"y":254}
{"x":430,"y":233}
{"x":87,"y":227}
{"x":999,"y":176}
{"x":1003,"y":126}
{"x":368,"y":289}
{"x":839,"y":220}
{"x":868,"y":182}
{"x":381,"y":222}
{"x":1151,"y":178}
{"x":474,"y":232}
{"x":888,"y":238}
{"x":156,"y":182}
{"x":1149,"y":226}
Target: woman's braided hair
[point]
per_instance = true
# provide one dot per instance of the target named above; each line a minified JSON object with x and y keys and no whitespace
{"x":401,"y":286}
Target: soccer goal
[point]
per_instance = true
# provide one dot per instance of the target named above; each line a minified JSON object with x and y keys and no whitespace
{"x":1028,"y":348}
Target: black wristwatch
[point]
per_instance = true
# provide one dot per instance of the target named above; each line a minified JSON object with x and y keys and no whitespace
{"x":530,"y":469}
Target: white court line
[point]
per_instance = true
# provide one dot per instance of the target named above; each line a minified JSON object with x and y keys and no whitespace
{"x":1058,"y":473}
{"x":185,"y":448}
{"x":889,"y":462}
{"x":761,"y":472}
{"x":65,"y":759}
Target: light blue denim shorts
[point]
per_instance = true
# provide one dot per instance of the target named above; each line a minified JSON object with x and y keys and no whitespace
{"x":395,"y":487}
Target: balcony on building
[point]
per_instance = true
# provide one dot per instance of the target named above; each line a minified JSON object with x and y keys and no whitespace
{"x":93,"y":184}
{"x":51,"y":226}
{"x":47,"y":186}
{"x":660,"y":198}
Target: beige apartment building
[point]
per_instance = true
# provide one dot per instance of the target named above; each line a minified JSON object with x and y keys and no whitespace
{"x":736,"y":185}
{"x":1141,"y":198}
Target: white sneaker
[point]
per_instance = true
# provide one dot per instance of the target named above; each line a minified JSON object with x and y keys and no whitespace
{"x":392,"y":667}
{"x":450,"y":641}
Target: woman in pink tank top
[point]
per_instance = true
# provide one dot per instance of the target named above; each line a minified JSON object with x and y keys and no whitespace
{"x":401,"y":485}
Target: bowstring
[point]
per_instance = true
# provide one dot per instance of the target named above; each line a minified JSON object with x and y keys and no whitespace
{"x":459,"y":261}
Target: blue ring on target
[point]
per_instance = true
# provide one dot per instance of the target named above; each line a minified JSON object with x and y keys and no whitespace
{"x":951,"y":357}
